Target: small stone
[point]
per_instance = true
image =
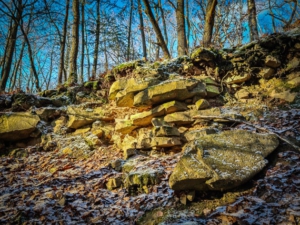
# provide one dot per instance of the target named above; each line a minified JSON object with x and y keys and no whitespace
{"x":191,"y":195}
{"x":271,"y":61}
{"x":202,"y":104}
{"x":114,"y":183}
{"x":117,"y":164}
{"x":128,"y":153}
{"x":166,"y":131}
{"x":267,"y":73}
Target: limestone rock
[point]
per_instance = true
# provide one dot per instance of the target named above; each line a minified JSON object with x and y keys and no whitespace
{"x":76,"y":122}
{"x":157,"y":122}
{"x":17,"y":126}
{"x":271,"y":61}
{"x":80,"y":116}
{"x":124,"y":126}
{"x":202,"y":104}
{"x":144,"y":118}
{"x":267,"y":73}
{"x":129,"y":146}
{"x":202,"y":54}
{"x":166,"y":131}
{"x":212,"y":91}
{"x":242,"y":94}
{"x":165,"y":142}
{"x":48,"y":113}
{"x":116,"y":87}
{"x":124,"y":97}
{"x":176,"y":89}
{"x":180,"y":118}
{"x":196,"y":134}
{"x":284,"y":95}
{"x":143,"y":177}
{"x":144,"y":138}
{"x":295,"y":82}
{"x":222,"y":161}
{"x":114,"y":183}
{"x":238,"y":78}
{"x":74,"y":146}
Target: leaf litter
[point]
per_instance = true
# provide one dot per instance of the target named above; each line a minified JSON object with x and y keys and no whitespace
{"x":50,"y":188}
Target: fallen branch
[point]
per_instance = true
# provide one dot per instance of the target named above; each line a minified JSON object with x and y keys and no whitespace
{"x":249,"y":124}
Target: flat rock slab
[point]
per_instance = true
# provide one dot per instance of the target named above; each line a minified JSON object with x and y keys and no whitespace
{"x":17,"y":126}
{"x":177,"y":89}
{"x":222,"y":161}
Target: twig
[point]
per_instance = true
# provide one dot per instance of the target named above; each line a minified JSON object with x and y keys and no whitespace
{"x":250,"y":124}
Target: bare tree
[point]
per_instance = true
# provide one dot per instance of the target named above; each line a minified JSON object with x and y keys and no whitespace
{"x":63,"y":45}
{"x":11,"y":42}
{"x":96,"y":50}
{"x":209,"y":22}
{"x":142,"y":29}
{"x":73,"y":77}
{"x":157,"y":30}
{"x":252,"y":20}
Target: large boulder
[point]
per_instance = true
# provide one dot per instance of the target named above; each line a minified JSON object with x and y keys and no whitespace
{"x":222,"y":161}
{"x":176,"y":89}
{"x":17,"y":126}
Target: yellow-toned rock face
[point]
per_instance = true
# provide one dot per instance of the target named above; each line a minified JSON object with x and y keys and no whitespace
{"x":17,"y":126}
{"x":178,"y":89}
{"x":222,"y":161}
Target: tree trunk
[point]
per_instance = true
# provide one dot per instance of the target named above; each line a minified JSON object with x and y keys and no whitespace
{"x":156,"y":29}
{"x":209,"y":22}
{"x":142,"y":30}
{"x":10,"y":46}
{"x":82,"y":43}
{"x":188,"y":25}
{"x":129,"y":31}
{"x":252,"y":20}
{"x":105,"y":56}
{"x":181,"y":36}
{"x":163,"y":20}
{"x":94,"y":71}
{"x":73,"y":77}
{"x":18,"y":65}
{"x":30,"y":53}
{"x":63,"y":46}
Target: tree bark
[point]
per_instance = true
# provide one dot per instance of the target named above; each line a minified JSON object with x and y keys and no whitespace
{"x":73,"y":77}
{"x":10,"y":46}
{"x":129,"y":31}
{"x":142,"y":30}
{"x":164,"y":21}
{"x":157,"y":30}
{"x":188,"y":25}
{"x":95,"y":62}
{"x":209,"y":22}
{"x":82,"y":43}
{"x":63,"y":46}
{"x":252,"y":22}
{"x":181,"y":36}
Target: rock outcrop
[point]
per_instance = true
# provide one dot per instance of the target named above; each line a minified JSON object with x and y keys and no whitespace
{"x":222,"y":161}
{"x":17,"y":126}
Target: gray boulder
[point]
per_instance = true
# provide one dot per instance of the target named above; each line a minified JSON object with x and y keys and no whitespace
{"x":222,"y":161}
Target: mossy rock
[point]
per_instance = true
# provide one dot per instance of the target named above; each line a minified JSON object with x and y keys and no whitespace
{"x":92,"y":85}
{"x":124,"y":69}
{"x":203,"y":54}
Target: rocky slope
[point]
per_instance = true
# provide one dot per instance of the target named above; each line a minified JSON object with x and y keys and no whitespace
{"x":162,"y":134}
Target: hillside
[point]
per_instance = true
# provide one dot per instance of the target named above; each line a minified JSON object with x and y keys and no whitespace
{"x":210,"y":138}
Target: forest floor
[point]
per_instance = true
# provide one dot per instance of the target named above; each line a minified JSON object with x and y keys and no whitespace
{"x":48,"y":188}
